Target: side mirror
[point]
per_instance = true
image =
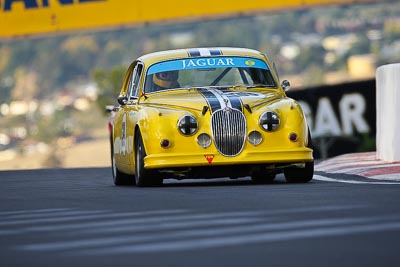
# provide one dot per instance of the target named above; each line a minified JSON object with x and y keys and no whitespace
{"x":122,"y":100}
{"x":285,"y":85}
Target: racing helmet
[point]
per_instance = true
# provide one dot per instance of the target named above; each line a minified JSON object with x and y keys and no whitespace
{"x":166,"y":79}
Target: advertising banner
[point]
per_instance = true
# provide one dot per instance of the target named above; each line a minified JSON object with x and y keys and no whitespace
{"x":32,"y":17}
{"x":342,"y":117}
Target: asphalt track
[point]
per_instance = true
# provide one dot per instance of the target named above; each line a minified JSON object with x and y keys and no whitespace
{"x":77,"y":217}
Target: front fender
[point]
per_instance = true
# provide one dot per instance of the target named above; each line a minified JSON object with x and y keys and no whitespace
{"x":156,"y":124}
{"x":292,"y":119}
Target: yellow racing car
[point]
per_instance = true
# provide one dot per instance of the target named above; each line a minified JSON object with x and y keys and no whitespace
{"x":207,"y":113}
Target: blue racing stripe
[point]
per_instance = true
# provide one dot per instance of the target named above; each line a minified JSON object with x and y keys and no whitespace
{"x":235,"y":100}
{"x":194,"y":53}
{"x":211,"y":99}
{"x":215,"y":52}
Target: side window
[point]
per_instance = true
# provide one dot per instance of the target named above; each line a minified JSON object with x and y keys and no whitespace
{"x":135,"y":81}
{"x":128,"y":90}
{"x":131,"y":82}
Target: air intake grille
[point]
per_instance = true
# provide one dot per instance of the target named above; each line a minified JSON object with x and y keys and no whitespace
{"x":229,"y":131}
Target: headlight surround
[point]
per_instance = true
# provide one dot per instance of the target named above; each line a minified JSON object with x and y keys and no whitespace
{"x":269,"y":121}
{"x":188,"y":125}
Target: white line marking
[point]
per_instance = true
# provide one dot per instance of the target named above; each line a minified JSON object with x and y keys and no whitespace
{"x":171,"y":226}
{"x":174,"y":218}
{"x":49,"y":215}
{"x":327,"y":179}
{"x":138,"y":240}
{"x":340,"y":165}
{"x":239,"y":239}
{"x":338,"y":168}
{"x":140,"y":221}
{"x":2,"y":213}
{"x":91,"y":215}
{"x":389,"y":177}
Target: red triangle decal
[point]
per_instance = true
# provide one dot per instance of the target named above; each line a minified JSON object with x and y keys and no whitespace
{"x":209,"y":158}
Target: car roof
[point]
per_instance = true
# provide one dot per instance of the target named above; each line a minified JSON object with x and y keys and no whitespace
{"x":154,"y":57}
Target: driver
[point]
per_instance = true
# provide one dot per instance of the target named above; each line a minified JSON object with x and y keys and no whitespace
{"x":166,"y":80}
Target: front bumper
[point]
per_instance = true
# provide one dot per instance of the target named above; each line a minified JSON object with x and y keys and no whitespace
{"x":174,"y":160}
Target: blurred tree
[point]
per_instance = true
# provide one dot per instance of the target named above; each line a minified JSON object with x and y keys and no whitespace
{"x":361,"y":46}
{"x":49,"y":128}
{"x":25,"y":84}
{"x":61,"y":59}
{"x":80,"y":55}
{"x":5,"y":56}
{"x":109,"y":83}
{"x":313,"y":76}
{"x":112,"y":54}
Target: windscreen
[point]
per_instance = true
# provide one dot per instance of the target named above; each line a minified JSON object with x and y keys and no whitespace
{"x":208,"y":72}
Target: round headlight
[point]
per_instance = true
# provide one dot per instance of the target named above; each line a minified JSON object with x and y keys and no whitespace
{"x":187,"y":125}
{"x":204,"y":140}
{"x":269,"y":121}
{"x":255,"y":138}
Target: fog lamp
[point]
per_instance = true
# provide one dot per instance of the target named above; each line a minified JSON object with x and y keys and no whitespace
{"x":255,"y":138}
{"x":204,"y":140}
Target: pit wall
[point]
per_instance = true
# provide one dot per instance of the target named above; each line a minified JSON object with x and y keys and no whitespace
{"x":341,"y":117}
{"x":387,"y":112}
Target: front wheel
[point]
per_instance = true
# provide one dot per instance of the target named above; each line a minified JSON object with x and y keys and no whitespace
{"x":300,"y":175}
{"x":143,"y":176}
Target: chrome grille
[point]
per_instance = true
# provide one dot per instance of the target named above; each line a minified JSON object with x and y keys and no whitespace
{"x":229,"y":131}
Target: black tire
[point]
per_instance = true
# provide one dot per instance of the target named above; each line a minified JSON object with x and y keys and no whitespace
{"x":301,"y":175}
{"x":144,"y":177}
{"x":263,"y":178}
{"x":120,"y":178}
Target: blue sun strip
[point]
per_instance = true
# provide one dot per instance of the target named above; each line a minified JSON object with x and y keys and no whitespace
{"x":206,"y":63}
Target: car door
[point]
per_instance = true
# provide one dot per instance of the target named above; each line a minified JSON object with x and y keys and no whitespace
{"x":131,"y":115}
{"x":120,"y":122}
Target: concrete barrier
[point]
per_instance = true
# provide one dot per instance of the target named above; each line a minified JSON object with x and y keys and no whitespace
{"x":388,"y":112}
